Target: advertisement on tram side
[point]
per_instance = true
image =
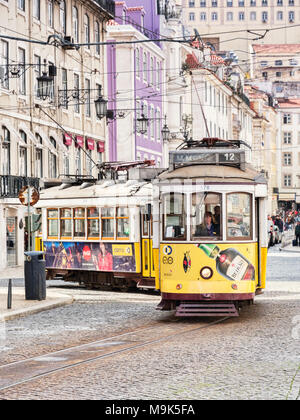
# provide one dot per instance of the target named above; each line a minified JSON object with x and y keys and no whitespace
{"x":101,"y":256}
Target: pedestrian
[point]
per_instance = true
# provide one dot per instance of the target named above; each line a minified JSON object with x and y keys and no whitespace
{"x":297,"y":233}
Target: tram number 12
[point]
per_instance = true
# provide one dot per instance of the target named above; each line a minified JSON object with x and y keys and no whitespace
{"x":230,"y":157}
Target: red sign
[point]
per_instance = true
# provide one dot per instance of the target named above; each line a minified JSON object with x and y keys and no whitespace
{"x":100,"y":147}
{"x":90,"y":144}
{"x":67,"y":139}
{"x":79,"y":141}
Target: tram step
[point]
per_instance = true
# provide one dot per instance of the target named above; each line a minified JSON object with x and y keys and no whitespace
{"x":206,"y":309}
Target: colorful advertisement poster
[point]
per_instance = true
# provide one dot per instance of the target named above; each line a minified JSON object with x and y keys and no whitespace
{"x":90,"y":256}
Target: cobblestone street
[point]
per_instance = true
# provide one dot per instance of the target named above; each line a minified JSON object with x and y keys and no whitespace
{"x":255,"y":356}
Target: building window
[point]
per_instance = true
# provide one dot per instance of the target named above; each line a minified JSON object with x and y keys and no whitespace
{"x":39,"y":157}
{"x":137,"y":62}
{"x":52,"y":160}
{"x":37,"y":72}
{"x":229,"y":3}
{"x":97,"y":37}
{"x":89,"y":162}
{"x":75,"y":24}
{"x":241,"y":16}
{"x":37,"y":9}
{"x":291,"y":16}
{"x":252,"y":3}
{"x":279,"y":15}
{"x":22,"y":78}
{"x":76,"y":93}
{"x":50,"y":13}
{"x":214,"y":16}
{"x":145,"y":67}
{"x":88,"y":98}
{"x":4,"y":61}
{"x":5,"y":146}
{"x":21,"y":5}
{"x":264,"y":17}
{"x":287,"y":137}
{"x":64,"y":87}
{"x":202,"y":16}
{"x":191,"y":3}
{"x":63,"y":19}
{"x":152,"y":71}
{"x":287,"y":180}
{"x":252,"y":15}
{"x":202,"y":3}
{"x":192,"y":17}
{"x":229,"y":16}
{"x":287,"y":118}
{"x":86,"y":25}
{"x":78,"y":161}
{"x":287,"y":159}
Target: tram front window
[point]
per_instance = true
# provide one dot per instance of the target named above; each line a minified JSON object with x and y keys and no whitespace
{"x":206,"y":216}
{"x":174,"y":216}
{"x":239,"y":210}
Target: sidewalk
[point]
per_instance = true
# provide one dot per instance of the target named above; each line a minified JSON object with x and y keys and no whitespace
{"x":291,"y":248}
{"x":22,"y":307}
{"x":12,"y":273}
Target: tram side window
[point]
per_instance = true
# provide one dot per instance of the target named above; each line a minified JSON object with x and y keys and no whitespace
{"x":53,"y":223}
{"x":79,"y":223}
{"x":174,"y":216}
{"x":66,"y":223}
{"x":206,"y":216}
{"x":239,"y":216}
{"x":123,"y":223}
{"x":108,"y":222}
{"x":93,"y":223}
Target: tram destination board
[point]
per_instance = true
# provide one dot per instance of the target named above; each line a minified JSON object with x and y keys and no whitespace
{"x":230,"y":157}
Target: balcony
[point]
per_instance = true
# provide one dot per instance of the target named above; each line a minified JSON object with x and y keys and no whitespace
{"x":10,"y":186}
{"x":107,"y":5}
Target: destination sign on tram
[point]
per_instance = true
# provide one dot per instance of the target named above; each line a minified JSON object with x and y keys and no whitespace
{"x":230,"y":157}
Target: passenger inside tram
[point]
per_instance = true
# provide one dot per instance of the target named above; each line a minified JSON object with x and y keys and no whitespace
{"x":206,"y":215}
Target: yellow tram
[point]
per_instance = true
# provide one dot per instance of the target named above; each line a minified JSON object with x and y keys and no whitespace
{"x":210,"y":233}
{"x":196,"y":232}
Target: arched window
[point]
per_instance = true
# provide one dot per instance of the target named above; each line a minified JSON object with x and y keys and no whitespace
{"x":63,"y":17}
{"x":5,"y":151}
{"x":75,"y":24}
{"x":97,"y":36}
{"x":152,"y":70}
{"x":86,"y":25}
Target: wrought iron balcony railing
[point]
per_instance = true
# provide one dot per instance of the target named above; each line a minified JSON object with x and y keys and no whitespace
{"x":10,"y":186}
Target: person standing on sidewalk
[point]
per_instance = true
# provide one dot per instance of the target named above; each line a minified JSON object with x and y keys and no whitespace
{"x":297,"y":233}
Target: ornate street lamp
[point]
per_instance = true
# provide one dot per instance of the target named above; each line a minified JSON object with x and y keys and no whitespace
{"x":45,"y":83}
{"x":166,"y":133}
{"x":101,"y":106}
{"x":143,"y":123}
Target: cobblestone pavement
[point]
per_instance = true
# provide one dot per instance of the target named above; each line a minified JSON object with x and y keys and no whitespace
{"x":253,"y":357}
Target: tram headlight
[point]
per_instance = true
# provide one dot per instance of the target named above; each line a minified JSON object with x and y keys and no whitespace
{"x":206,"y":273}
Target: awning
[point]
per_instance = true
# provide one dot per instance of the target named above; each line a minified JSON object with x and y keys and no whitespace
{"x":100,"y":146}
{"x":287,"y":197}
{"x":79,"y":141}
{"x":68,"y":139}
{"x":90,"y":144}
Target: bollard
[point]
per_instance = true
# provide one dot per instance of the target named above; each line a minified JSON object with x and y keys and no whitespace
{"x":9,"y":294}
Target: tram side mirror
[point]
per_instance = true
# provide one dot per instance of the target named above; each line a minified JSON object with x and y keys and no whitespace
{"x":148,"y":212}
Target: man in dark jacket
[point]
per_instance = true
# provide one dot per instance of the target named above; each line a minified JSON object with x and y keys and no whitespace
{"x":297,"y":232}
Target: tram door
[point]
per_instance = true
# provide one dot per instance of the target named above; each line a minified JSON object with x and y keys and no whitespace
{"x":148,"y":269}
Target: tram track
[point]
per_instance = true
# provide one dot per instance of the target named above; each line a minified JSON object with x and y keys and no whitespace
{"x":37,"y":367}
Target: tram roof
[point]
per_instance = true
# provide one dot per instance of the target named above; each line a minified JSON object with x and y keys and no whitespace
{"x":104,"y":189}
{"x":213,"y":173}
